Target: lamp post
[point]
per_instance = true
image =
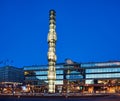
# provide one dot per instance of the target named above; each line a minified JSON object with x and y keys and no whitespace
{"x":51,"y":52}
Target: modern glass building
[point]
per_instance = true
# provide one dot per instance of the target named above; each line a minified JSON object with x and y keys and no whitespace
{"x":11,"y":74}
{"x":37,"y":76}
{"x":66,"y":74}
{"x":95,"y":77}
{"x":102,"y":77}
{"x":11,"y":79}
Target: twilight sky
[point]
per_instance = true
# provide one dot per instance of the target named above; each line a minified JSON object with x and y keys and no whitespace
{"x":87,"y":31}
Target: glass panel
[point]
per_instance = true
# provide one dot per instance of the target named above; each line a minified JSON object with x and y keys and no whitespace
{"x":85,"y":65}
{"x":33,"y":73}
{"x":41,"y":77}
{"x":35,"y":67}
{"x":89,"y":82}
{"x":59,"y":71}
{"x":36,"y":78}
{"x":41,"y":72}
{"x":74,"y":76}
{"x":111,"y":75}
{"x":74,"y":72}
{"x":100,"y":70}
{"x":59,"y":66}
{"x":59,"y":76}
{"x":59,"y":82}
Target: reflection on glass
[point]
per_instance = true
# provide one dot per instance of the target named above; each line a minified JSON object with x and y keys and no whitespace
{"x":59,"y":71}
{"x":86,"y":65}
{"x":59,"y":82}
{"x":100,"y":70}
{"x":110,"y":75}
{"x":59,"y":76}
{"x":74,"y":77}
{"x":89,"y":82}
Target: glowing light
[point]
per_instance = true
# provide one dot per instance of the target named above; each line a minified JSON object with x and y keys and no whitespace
{"x":51,"y":53}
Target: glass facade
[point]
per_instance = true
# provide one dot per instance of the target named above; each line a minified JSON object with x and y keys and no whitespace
{"x":38,"y":75}
{"x":85,"y":76}
{"x":89,"y":81}
{"x":11,"y":74}
{"x":103,"y":70}
{"x":102,"y":64}
{"x":98,"y":71}
{"x":102,"y":77}
{"x":110,"y":75}
{"x":63,"y":73}
{"x":74,"y":75}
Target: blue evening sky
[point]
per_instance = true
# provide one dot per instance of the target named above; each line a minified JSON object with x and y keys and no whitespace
{"x":87,"y":31}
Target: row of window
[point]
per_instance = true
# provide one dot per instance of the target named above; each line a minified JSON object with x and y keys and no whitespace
{"x":89,"y":82}
{"x":74,"y":77}
{"x":57,"y":77}
{"x":111,"y":75}
{"x":86,"y":65}
{"x":35,"y":68}
{"x":73,"y":72}
{"x":42,"y":77}
{"x":41,"y":67}
{"x":100,"y":70}
{"x":57,"y":81}
{"x":41,"y":72}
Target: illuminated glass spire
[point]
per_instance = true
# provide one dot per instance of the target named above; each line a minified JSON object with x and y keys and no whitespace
{"x":51,"y":52}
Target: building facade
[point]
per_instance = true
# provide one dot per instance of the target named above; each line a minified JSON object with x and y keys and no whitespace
{"x":102,"y":77}
{"x":95,"y":77}
{"x":11,"y":79}
{"x":11,"y":74}
{"x":37,"y":76}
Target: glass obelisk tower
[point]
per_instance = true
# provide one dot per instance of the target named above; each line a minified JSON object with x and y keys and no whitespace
{"x":51,"y":52}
